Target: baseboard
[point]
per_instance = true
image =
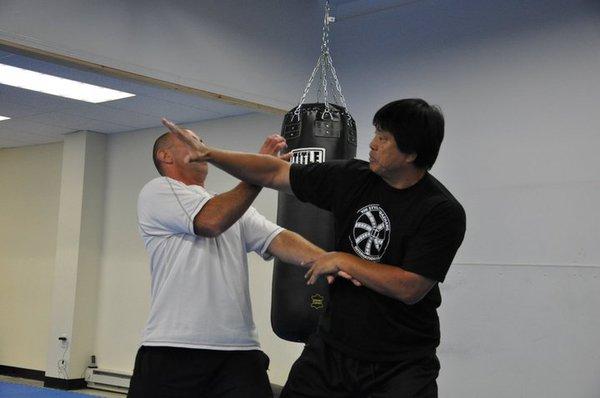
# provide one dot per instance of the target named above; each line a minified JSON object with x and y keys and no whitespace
{"x":64,"y":384}
{"x":22,"y":373}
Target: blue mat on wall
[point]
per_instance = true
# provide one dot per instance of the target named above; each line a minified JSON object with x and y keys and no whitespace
{"x":11,"y":390}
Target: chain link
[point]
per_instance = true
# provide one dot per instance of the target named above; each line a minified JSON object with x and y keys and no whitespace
{"x":338,"y":86}
{"x":324,"y":65}
{"x":306,"y":89}
{"x":325,"y":55}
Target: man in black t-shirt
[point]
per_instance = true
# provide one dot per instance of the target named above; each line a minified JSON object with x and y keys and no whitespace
{"x":397,"y":231}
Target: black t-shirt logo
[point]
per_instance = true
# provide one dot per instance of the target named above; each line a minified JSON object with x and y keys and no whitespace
{"x":371,"y":233}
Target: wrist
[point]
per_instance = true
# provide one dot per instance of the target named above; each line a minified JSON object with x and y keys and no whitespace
{"x":208,"y":153}
{"x":250,"y":187}
{"x":343,"y":262}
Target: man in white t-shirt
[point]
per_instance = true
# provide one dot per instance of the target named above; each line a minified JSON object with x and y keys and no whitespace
{"x":200,"y":339}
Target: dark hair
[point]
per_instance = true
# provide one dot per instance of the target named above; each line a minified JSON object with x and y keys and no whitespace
{"x":160,"y":143}
{"x":417,"y":127}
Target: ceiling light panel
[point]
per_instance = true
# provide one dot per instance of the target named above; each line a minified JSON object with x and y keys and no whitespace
{"x":48,"y":84}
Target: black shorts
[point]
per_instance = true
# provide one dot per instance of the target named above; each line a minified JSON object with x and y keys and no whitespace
{"x":165,"y":372}
{"x":322,"y":371}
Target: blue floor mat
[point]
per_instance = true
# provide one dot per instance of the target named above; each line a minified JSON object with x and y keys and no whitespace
{"x":11,"y":390}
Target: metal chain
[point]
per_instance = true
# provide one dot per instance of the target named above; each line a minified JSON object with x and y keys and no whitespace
{"x":325,"y":55}
{"x":323,"y":88}
{"x":324,"y":64}
{"x":310,"y":80}
{"x":320,"y":86}
{"x":338,"y":86}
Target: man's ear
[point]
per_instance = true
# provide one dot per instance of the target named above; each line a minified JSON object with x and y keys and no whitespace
{"x":411,"y":158}
{"x":164,"y":156}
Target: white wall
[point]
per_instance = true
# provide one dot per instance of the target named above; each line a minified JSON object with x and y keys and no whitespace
{"x":518,"y":83}
{"x":124,"y":279}
{"x":30,"y":181}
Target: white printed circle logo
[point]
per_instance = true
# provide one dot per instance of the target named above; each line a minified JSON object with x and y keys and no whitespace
{"x":371,"y":233}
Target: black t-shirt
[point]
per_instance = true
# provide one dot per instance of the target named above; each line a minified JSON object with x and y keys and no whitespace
{"x":418,"y":229}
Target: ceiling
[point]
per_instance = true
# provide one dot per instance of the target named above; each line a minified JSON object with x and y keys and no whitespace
{"x":346,"y":9}
{"x":38,"y":118}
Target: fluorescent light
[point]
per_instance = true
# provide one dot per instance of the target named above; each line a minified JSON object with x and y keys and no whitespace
{"x":4,"y":118}
{"x":30,"y":80}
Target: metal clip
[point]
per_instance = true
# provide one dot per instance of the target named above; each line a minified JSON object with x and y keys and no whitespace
{"x":326,"y":111}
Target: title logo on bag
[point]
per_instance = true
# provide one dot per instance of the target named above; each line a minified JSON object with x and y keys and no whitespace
{"x":371,"y":233}
{"x":307,"y":155}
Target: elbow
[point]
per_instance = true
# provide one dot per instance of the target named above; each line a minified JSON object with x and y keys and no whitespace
{"x":213,"y":233}
{"x":408,"y":297}
{"x":276,"y":177}
{"x":411,"y":291}
{"x":412,"y":301}
{"x":208,"y":229}
{"x":269,"y":181}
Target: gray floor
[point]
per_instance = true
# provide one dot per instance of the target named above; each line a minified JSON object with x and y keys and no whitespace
{"x":38,"y":383}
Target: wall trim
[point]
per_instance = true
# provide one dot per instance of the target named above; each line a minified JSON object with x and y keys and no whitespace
{"x":22,"y":373}
{"x":65,"y":384}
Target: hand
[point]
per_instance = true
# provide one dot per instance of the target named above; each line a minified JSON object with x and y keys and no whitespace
{"x":345,"y":275}
{"x":273,"y":145}
{"x":199,"y":150}
{"x":327,"y":264}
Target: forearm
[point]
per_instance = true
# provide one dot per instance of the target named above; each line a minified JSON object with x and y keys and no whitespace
{"x":386,"y":279}
{"x":292,"y":248}
{"x":264,"y":170}
{"x":223,"y":210}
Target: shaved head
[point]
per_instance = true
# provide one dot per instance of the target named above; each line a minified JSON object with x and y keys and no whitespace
{"x":162,"y":142}
{"x":171,"y":156}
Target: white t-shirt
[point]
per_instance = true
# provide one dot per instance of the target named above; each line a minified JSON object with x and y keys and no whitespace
{"x":200,"y":296}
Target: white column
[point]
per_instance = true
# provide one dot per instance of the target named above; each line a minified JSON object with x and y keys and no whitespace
{"x":78,"y":249}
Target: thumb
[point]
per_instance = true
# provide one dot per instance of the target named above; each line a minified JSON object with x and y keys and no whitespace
{"x":286,"y":156}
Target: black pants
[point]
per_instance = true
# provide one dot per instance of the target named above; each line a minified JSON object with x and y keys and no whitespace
{"x":165,"y":372}
{"x":322,"y":371}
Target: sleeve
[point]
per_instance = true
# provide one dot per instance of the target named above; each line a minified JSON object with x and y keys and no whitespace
{"x":168,"y":207}
{"x":258,"y":232}
{"x":318,"y":183}
{"x":431,"y":251}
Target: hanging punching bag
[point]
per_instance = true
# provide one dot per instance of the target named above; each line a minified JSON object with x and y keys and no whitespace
{"x":314,"y":133}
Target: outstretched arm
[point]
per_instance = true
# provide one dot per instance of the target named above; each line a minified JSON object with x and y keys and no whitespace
{"x":223,"y":210}
{"x":388,"y":280}
{"x":264,"y":170}
{"x":292,"y":248}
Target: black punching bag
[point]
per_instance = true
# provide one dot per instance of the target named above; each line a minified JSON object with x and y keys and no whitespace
{"x":314,"y":133}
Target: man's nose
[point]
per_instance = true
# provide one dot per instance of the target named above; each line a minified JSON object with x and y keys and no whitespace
{"x":372,"y":144}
